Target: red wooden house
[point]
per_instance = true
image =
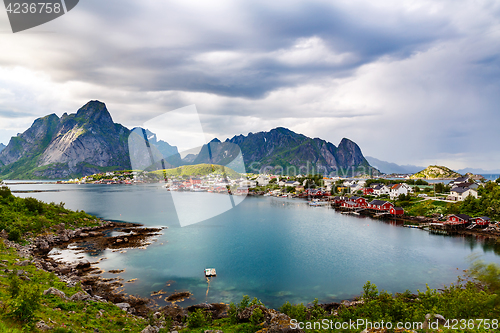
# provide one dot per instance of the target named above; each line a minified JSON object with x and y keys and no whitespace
{"x":397,"y":211}
{"x":360,"y":201}
{"x":339,"y":200}
{"x":380,"y":205}
{"x":483,"y":220}
{"x":368,"y":191}
{"x":459,"y":219}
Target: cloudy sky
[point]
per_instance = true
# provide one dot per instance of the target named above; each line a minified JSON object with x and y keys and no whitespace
{"x":412,"y":82}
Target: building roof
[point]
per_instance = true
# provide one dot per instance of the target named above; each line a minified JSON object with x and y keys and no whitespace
{"x":486,"y":218}
{"x":461,"y":189}
{"x":350,"y":202}
{"x":378,"y":202}
{"x":464,"y":184}
{"x":398,"y":208}
{"x":461,"y":179}
{"x":463,"y":216}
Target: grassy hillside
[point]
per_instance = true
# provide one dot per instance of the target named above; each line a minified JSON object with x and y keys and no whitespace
{"x":199,"y":170}
{"x":22,"y":303}
{"x":435,"y":171}
{"x":21,"y":216}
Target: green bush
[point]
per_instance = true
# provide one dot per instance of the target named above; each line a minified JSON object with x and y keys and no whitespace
{"x":233,"y":313}
{"x":257,"y":316}
{"x":298,"y":311}
{"x":24,"y":306}
{"x":14,"y":235}
{"x":245,"y":302}
{"x":14,"y":284}
{"x":198,"y":318}
{"x":316,"y":312}
{"x":370,"y":291}
{"x":33,"y":205}
{"x":5,"y":192}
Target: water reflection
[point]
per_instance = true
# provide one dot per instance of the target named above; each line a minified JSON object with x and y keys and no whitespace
{"x":275,"y":249}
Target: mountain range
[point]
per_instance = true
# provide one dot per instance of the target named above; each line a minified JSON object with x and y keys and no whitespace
{"x":89,"y":142}
{"x":283,"y":151}
{"x":393,"y":168}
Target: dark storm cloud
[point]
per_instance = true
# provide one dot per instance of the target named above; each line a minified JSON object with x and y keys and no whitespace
{"x":107,"y":52}
{"x":363,"y":30}
{"x":420,"y":78}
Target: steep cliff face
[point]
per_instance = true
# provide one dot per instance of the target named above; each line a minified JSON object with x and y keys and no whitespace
{"x":2,"y":147}
{"x":76,"y":144}
{"x":30,"y":144}
{"x":282,"y":150}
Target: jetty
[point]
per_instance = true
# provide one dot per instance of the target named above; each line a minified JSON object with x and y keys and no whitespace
{"x":444,"y":228}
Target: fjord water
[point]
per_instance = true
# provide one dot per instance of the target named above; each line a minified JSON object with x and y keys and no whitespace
{"x":274,"y":249}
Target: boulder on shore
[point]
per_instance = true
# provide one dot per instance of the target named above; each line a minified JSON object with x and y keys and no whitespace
{"x":54,"y":291}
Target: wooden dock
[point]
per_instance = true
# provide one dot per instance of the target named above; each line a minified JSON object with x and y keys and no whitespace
{"x":447,"y":228}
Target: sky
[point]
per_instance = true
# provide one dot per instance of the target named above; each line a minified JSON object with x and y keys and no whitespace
{"x":410,"y":81}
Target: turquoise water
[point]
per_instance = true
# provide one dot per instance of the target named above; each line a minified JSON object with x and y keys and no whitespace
{"x":271,"y":248}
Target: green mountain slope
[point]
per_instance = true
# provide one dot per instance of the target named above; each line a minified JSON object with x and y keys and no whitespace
{"x":76,"y":144}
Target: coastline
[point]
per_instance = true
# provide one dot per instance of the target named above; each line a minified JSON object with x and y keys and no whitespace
{"x":98,"y":289}
{"x":84,"y":272}
{"x":422,"y":222}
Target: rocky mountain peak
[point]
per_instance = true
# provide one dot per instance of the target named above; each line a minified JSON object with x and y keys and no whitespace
{"x":283,"y":148}
{"x":96,"y":112}
{"x":75,"y":144}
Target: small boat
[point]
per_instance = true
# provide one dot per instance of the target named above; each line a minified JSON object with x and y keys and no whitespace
{"x":318,"y":203}
{"x":210,"y":272}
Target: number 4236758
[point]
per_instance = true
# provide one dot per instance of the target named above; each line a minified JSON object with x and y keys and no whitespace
{"x":463,"y":324}
{"x":34,"y":8}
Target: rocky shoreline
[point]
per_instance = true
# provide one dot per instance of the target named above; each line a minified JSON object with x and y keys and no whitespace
{"x":88,"y":240}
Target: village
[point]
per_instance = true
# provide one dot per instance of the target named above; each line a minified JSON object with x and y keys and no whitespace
{"x":379,"y":198}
